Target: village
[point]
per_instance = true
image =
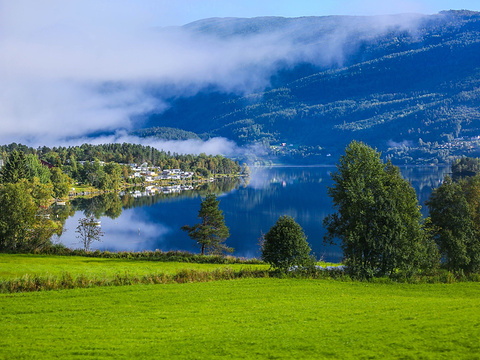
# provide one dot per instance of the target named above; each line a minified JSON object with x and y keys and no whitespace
{"x":157,"y":178}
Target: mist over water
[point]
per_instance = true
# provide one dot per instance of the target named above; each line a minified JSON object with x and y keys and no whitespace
{"x":250,"y":209}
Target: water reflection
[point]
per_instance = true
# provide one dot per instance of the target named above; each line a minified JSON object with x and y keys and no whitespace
{"x":250,"y":208}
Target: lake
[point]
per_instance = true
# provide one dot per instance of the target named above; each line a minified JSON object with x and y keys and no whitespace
{"x":251,"y":207}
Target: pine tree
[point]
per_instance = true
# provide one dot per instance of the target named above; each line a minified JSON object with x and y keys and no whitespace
{"x":15,"y":168}
{"x":212,"y":232}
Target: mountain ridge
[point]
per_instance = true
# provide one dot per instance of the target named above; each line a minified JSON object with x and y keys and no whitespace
{"x":403,"y":85}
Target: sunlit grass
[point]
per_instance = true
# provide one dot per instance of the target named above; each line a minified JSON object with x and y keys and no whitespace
{"x":18,"y":265}
{"x":250,"y":318}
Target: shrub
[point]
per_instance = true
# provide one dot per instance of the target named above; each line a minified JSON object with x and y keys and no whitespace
{"x":285,"y":245}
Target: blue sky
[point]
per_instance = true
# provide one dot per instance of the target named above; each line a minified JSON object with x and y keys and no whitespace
{"x":146,"y":13}
{"x":179,"y":12}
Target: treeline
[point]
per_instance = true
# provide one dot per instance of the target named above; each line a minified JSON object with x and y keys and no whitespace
{"x":127,"y":154}
{"x":465,"y":167}
{"x":105,"y":167}
{"x":165,"y":133}
{"x":380,"y":227}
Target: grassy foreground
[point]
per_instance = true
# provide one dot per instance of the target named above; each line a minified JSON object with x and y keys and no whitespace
{"x":249,"y":318}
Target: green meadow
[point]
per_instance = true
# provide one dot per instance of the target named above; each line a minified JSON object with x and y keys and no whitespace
{"x":265,"y":318}
{"x":17,"y":265}
{"x":245,"y":319}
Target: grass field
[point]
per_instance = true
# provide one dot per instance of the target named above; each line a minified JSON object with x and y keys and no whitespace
{"x":249,"y":318}
{"x":18,"y":265}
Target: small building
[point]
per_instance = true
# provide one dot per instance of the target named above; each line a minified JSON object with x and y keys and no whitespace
{"x":44,"y":163}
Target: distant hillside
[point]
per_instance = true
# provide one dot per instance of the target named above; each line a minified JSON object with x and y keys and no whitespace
{"x":412,"y":89}
{"x":165,"y":133}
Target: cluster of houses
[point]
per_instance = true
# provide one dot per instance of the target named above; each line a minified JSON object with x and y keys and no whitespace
{"x":155,"y":174}
{"x":152,"y":190}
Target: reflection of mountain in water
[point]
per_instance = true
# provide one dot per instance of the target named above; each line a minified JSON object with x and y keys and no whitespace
{"x":250,"y":208}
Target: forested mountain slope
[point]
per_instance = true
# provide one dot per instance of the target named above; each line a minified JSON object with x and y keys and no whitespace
{"x":409,"y":83}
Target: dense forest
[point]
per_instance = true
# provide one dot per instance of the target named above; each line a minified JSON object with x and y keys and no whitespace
{"x":411,"y":91}
{"x":126,"y":154}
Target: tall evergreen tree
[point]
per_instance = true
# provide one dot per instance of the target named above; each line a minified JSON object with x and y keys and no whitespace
{"x":212,"y":232}
{"x":15,"y":168}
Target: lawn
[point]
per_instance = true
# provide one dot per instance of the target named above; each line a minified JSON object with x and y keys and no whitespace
{"x":18,"y":265}
{"x":248,"y":318}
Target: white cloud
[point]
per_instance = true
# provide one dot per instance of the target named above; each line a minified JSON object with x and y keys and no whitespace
{"x":73,"y":68}
{"x":132,"y":233}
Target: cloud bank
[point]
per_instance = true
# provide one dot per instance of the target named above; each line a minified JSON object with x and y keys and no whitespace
{"x":70,"y":69}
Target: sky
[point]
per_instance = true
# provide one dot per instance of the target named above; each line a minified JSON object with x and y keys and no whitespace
{"x":180,"y":12}
{"x":72,"y":68}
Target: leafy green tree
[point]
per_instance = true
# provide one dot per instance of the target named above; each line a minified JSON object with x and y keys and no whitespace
{"x":204,"y":172}
{"x":25,"y":222}
{"x":378,"y":216}
{"x":17,"y":215}
{"x":88,"y":231}
{"x":60,"y":182}
{"x":14,"y":169}
{"x":212,"y":232}
{"x":71,"y":169}
{"x":285,"y":245}
{"x":34,"y":168}
{"x":113,"y":177}
{"x":454,"y":212}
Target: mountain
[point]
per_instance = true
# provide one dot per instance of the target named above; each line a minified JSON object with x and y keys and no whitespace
{"x":408,"y":85}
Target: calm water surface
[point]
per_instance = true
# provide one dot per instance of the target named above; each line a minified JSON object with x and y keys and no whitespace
{"x":250,"y":207}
